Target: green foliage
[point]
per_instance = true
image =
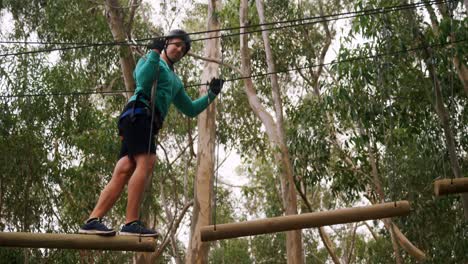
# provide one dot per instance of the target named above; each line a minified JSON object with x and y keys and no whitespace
{"x":231,"y":251}
{"x":262,"y":247}
{"x":12,"y":255}
{"x":375,"y":251}
{"x":391,"y":97}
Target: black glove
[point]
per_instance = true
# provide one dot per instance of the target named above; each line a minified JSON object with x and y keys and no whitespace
{"x":216,"y":85}
{"x":157,"y":43}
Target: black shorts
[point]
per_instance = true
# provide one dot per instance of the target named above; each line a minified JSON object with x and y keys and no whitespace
{"x":135,"y":133}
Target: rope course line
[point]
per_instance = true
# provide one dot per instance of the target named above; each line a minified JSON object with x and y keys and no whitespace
{"x":250,"y":76}
{"x":365,"y":12}
{"x":321,"y":19}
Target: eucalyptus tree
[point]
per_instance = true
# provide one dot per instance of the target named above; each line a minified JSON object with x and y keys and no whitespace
{"x":203,"y":187}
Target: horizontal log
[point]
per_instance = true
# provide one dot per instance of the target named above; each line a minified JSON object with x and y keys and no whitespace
{"x":301,"y":221}
{"x":450,"y":186}
{"x":76,"y":241}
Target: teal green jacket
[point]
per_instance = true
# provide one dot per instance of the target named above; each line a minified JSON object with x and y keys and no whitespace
{"x":170,"y":88}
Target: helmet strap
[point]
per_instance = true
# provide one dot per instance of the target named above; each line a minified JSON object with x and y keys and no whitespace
{"x":167,"y":56}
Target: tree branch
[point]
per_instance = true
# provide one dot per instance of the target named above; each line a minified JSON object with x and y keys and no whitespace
{"x":173,"y":226}
{"x":353,"y":241}
{"x":460,"y":67}
{"x":323,"y":234}
{"x":134,"y":4}
{"x":214,"y":60}
{"x":374,"y":235}
{"x":114,"y":17}
{"x":324,"y":50}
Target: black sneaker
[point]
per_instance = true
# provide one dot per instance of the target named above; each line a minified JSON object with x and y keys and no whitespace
{"x":136,"y":228}
{"x":96,"y":227}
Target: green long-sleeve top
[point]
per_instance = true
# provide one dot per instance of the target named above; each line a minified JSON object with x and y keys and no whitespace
{"x":170,"y":88}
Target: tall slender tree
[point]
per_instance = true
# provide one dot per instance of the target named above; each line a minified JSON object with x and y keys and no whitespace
{"x":203,"y":193}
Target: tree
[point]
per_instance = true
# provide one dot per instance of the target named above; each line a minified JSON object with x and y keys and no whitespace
{"x":203,"y":194}
{"x":275,"y":132}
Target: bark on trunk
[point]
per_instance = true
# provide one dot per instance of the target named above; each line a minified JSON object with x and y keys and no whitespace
{"x":293,"y":238}
{"x":197,"y":251}
{"x":116,"y":25}
{"x":252,"y":97}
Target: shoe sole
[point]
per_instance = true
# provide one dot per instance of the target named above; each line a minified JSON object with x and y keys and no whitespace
{"x":137,"y":234}
{"x":96,"y":232}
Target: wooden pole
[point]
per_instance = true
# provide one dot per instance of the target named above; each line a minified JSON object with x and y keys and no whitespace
{"x":308,"y":220}
{"x":451,"y":186}
{"x":75,"y":241}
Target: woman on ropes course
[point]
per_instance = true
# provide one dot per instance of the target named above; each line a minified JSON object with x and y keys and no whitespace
{"x":157,"y":86}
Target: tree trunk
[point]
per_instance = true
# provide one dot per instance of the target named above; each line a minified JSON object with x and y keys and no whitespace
{"x":197,"y":251}
{"x":252,"y":97}
{"x":116,"y":24}
{"x":275,"y":133}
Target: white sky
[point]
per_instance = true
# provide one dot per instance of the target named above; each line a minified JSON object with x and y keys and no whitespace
{"x":5,"y":22}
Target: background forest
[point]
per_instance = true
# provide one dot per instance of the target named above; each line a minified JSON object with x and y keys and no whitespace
{"x":327,"y":105}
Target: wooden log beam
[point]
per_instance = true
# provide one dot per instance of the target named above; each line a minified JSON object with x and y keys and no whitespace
{"x":308,"y":220}
{"x":75,"y":241}
{"x":451,"y":186}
